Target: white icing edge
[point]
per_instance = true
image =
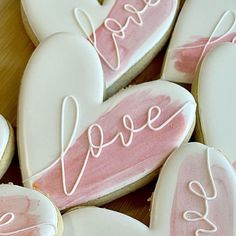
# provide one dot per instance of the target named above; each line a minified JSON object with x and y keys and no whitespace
{"x":213,"y":109}
{"x":46,"y":210}
{"x":4,"y":135}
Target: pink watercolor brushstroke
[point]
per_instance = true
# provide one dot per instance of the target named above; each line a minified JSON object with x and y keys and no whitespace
{"x":187,"y":56}
{"x":135,"y":36}
{"x":221,"y":210}
{"x":22,"y":207}
{"x":117,"y":166}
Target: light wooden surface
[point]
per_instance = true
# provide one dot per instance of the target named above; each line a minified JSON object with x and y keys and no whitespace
{"x":15,"y":50}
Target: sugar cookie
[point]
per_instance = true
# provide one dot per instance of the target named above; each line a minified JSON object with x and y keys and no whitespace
{"x":93,"y":150}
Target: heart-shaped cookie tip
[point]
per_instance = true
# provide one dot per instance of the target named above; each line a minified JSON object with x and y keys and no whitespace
{"x":27,"y":212}
{"x":215,"y":93}
{"x":192,"y":186}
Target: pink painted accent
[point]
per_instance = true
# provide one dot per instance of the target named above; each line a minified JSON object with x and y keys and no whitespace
{"x":117,"y":166}
{"x":234,"y":165}
{"x":220,"y":210}
{"x":186,"y":60}
{"x":135,"y":36}
{"x":22,"y":207}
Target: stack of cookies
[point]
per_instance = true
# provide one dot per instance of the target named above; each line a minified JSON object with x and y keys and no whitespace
{"x":86,"y":138}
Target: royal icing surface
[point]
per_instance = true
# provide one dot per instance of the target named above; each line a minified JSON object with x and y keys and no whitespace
{"x":93,"y":148}
{"x":215,"y":95}
{"x":199,"y":201}
{"x":4,"y":135}
{"x":26,"y":212}
{"x":192,"y":39}
{"x":111,"y":28}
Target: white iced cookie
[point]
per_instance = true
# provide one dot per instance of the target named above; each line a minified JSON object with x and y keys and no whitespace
{"x":126,"y":34}
{"x":195,"y":195}
{"x":201,"y":26}
{"x":27,"y":212}
{"x":93,"y":150}
{"x":214,"y":91}
{"x":7,"y":145}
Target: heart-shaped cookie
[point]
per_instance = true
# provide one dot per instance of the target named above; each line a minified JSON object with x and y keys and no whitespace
{"x":127,"y":34}
{"x":201,"y":26}
{"x":195,"y":195}
{"x":7,"y":145}
{"x":214,"y":91}
{"x":26,"y":212}
{"x":94,"y":151}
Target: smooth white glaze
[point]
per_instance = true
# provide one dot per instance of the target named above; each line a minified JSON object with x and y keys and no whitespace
{"x":198,"y":19}
{"x":49,"y":17}
{"x":216,"y":99}
{"x":4,"y":135}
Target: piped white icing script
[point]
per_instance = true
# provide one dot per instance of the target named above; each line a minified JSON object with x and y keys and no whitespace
{"x":213,"y":37}
{"x":94,"y":150}
{"x":114,"y":27}
{"x":9,"y":218}
{"x":198,"y":190}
